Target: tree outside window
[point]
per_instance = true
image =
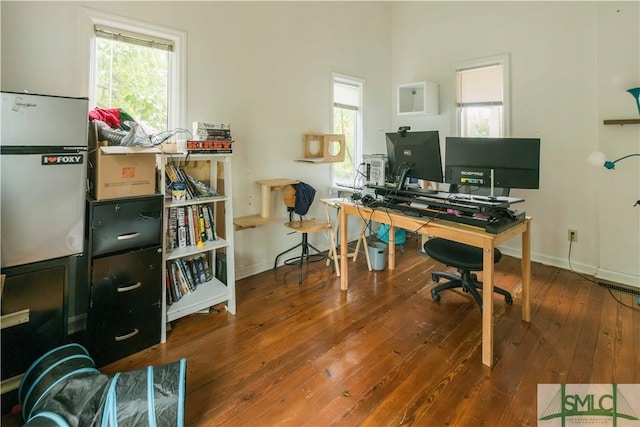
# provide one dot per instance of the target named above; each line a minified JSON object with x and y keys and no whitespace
{"x":132,"y":74}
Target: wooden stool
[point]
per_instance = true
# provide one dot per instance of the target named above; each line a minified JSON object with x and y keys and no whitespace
{"x":304,"y":227}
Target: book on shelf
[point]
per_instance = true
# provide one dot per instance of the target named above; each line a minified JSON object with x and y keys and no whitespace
{"x":200,"y":266}
{"x":207,"y":269}
{"x":172,"y":232}
{"x":211,"y":125}
{"x":191,"y":264}
{"x":212,"y":135}
{"x":182,"y":229}
{"x":172,"y":294}
{"x":206,"y":217}
{"x":194,"y":227}
{"x":201,"y":224}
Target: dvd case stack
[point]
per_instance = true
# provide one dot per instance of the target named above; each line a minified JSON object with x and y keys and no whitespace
{"x":184,"y":275}
{"x":190,"y":226}
{"x":210,"y":138}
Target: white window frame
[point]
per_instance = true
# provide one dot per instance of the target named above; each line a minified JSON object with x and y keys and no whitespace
{"x":503,"y":60}
{"x":177,"y":85}
{"x":359,"y":138}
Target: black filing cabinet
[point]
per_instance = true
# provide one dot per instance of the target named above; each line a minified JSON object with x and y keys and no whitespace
{"x":33,"y":319}
{"x":125,"y":270}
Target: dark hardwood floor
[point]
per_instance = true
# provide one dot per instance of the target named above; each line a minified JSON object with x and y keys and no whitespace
{"x":384,"y":353}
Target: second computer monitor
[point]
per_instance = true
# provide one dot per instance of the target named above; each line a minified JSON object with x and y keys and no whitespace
{"x":414,"y":155}
{"x":493,"y":162}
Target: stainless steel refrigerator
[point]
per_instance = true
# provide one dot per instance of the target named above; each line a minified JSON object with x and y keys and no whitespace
{"x":43,"y":167}
{"x":43,"y":161}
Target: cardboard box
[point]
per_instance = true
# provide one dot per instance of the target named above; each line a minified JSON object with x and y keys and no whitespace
{"x":123,"y":172}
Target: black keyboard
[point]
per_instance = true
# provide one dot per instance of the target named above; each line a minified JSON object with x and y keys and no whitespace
{"x":502,"y":219}
{"x":458,"y":199}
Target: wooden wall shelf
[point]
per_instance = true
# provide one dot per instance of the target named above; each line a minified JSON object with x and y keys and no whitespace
{"x":323,"y":148}
{"x":266,"y":187}
{"x":622,"y":122}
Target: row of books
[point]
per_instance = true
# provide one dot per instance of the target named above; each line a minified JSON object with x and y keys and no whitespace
{"x":195,"y":189}
{"x":185,"y":275}
{"x":210,"y":146}
{"x":190,"y":226}
{"x":210,"y":138}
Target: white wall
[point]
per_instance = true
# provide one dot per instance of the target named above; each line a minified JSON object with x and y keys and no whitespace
{"x":264,"y":67}
{"x":564,"y":58}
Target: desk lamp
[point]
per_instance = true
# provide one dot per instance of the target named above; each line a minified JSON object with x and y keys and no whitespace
{"x":598,"y":158}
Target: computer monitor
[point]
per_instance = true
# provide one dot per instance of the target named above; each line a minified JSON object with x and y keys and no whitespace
{"x":414,"y":155}
{"x":493,"y":162}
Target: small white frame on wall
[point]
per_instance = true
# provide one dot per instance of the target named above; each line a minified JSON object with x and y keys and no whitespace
{"x":418,"y":98}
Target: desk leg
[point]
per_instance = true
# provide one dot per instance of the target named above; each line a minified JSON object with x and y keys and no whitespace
{"x":526,"y":272}
{"x":487,"y":304}
{"x":344,"y":251}
{"x":333,"y":254}
{"x":392,"y":247}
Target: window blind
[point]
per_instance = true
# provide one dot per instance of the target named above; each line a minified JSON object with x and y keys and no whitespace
{"x":480,"y":86}
{"x":133,"y":38}
{"x":346,"y":96}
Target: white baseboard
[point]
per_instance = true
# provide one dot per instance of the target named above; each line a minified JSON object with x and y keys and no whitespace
{"x":592,"y":270}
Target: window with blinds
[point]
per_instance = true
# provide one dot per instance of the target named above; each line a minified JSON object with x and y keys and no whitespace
{"x":347,"y":120}
{"x":481,"y":98}
{"x":132,"y":74}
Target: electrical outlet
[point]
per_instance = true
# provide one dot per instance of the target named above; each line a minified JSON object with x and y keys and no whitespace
{"x":572,"y":235}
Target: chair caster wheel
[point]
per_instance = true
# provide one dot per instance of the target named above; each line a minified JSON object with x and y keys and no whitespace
{"x":435,"y":296}
{"x":508,"y":300}
{"x":435,"y":278}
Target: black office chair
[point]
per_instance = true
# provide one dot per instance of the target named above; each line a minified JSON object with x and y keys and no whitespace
{"x":466,"y":259}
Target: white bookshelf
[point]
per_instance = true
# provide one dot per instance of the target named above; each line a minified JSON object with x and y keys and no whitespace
{"x":215,"y":171}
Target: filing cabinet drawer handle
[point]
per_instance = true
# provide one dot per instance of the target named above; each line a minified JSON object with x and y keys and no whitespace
{"x":130,"y":288}
{"x":129,"y":335}
{"x":129,"y":236}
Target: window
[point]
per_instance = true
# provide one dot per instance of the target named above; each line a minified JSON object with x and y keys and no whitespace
{"x":140,"y":69}
{"x":132,"y":74}
{"x":347,"y":119}
{"x":481,"y":97}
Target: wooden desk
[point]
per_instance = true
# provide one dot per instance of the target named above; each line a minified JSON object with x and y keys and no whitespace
{"x":453,"y":231}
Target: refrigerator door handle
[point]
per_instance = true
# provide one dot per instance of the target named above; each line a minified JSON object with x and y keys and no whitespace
{"x":129,"y":236}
